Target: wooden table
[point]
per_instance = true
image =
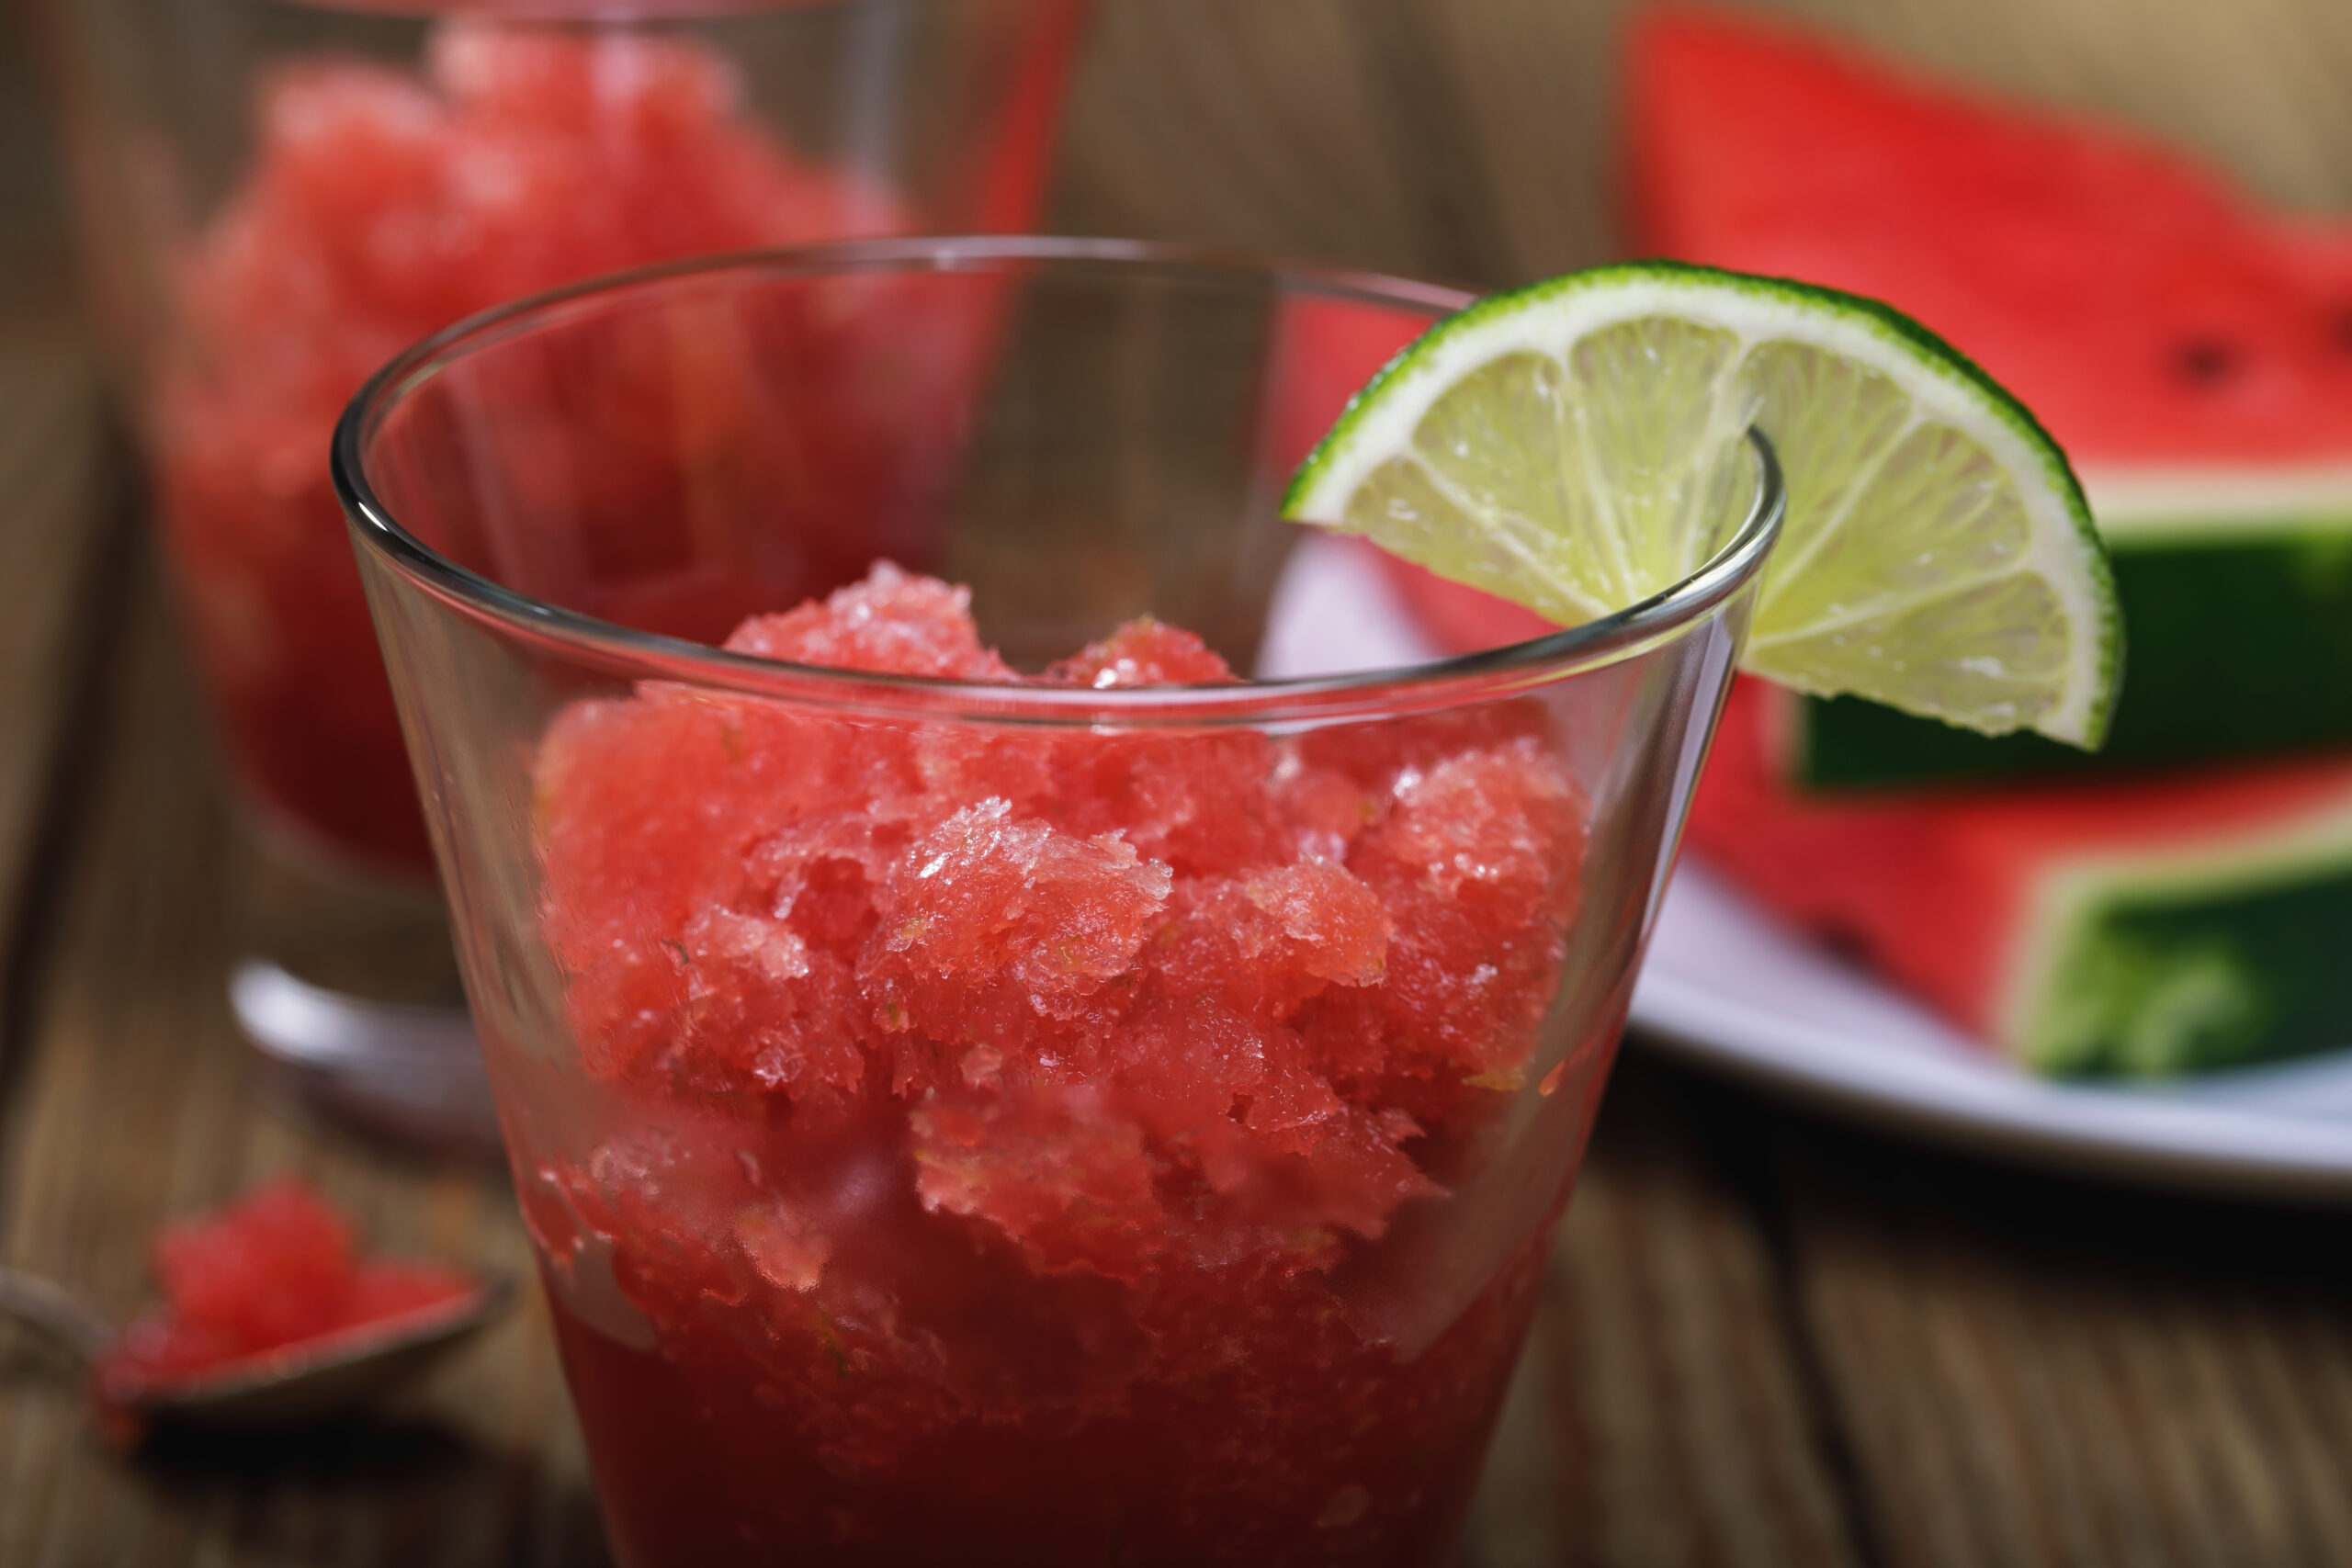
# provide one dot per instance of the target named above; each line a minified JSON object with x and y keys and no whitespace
{"x":1766,"y":1339}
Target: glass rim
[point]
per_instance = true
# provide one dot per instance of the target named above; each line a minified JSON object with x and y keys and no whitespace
{"x":1440,"y":682}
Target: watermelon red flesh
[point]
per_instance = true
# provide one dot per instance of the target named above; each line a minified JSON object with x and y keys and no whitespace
{"x":2141,"y":309}
{"x":1324,"y":350}
{"x":1939,"y":892}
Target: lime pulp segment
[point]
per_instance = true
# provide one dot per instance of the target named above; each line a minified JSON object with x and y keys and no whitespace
{"x":1576,"y":447}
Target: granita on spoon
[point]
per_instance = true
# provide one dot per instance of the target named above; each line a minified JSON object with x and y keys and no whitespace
{"x":272,"y":1274}
{"x":1011,"y":1112}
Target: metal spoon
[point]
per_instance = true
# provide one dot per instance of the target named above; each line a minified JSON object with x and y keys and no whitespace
{"x":299,"y":1382}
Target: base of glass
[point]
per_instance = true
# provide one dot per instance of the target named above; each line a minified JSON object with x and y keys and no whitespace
{"x":346,"y":986}
{"x":405,"y":1071}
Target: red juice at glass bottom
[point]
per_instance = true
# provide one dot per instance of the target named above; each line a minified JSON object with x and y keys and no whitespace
{"x":1047,"y":1148}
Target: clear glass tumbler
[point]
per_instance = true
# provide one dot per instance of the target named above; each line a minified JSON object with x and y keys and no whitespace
{"x":278,"y":196}
{"x":1033,"y":1098}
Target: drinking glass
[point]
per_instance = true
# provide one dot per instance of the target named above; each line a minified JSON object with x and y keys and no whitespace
{"x":1004,"y":1103}
{"x":278,"y":196}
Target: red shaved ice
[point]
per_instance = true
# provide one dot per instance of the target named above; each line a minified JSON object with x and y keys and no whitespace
{"x":1061,"y":1075}
{"x":1147,"y":652}
{"x":891,"y":624}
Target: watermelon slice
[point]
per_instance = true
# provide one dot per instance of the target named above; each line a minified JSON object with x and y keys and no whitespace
{"x":2138,"y":928}
{"x":2192,"y":352}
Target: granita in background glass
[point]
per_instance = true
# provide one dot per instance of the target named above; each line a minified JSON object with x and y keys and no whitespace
{"x":280,"y":198}
{"x":1032,"y":1060}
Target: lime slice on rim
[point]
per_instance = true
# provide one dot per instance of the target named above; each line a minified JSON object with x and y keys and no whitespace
{"x":1578,"y":445}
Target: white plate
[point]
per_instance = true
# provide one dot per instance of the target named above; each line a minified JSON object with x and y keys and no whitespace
{"x":1727,"y":987}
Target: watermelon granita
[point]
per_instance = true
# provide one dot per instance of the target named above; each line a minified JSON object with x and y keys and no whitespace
{"x":274,"y":1273}
{"x":381,"y":205}
{"x":2188,"y":349}
{"x":1032,"y":1145}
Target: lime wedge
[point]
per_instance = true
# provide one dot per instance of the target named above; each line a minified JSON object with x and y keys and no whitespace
{"x":1578,"y":445}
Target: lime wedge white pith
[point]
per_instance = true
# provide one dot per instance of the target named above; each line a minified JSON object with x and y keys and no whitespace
{"x":1577,"y":447}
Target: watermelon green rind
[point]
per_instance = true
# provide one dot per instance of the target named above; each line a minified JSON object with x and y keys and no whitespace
{"x":2198,"y":694}
{"x":2151,"y":964}
{"x":1548,"y":317}
{"x":2187,"y":505}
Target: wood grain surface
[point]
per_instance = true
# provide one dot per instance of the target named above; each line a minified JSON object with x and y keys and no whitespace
{"x":1765,"y":1340}
{"x":135,"y":1100}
